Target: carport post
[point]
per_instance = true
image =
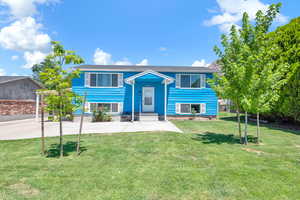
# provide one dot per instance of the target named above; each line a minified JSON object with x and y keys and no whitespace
{"x":132,"y":117}
{"x":37,"y":105}
{"x":165,"y":100}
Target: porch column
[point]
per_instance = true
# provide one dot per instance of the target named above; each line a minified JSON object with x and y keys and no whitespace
{"x":132,"y":113}
{"x":37,"y":106}
{"x":165,"y":100}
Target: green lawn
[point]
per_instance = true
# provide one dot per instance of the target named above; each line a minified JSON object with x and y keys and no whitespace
{"x":204,"y":163}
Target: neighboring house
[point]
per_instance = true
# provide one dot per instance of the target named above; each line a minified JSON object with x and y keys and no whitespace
{"x":163,"y":91}
{"x":17,"y":95}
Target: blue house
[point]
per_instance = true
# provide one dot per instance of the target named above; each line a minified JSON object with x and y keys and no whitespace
{"x":137,"y":90}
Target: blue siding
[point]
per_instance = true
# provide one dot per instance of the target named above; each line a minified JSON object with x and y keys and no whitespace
{"x":124,"y":94}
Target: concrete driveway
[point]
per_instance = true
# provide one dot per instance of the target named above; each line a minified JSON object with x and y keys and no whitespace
{"x":29,"y":128}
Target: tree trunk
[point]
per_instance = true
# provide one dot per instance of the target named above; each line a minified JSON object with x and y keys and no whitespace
{"x":60,"y":128}
{"x":257,"y":129}
{"x":246,"y":129}
{"x":239,"y":125}
{"x":42,"y":125}
{"x":81,"y":123}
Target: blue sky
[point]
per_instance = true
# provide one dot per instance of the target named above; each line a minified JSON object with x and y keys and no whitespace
{"x":153,"y":32}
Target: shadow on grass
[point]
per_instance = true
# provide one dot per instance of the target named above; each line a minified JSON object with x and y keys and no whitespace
{"x":274,"y":126}
{"x":69,"y":147}
{"x":220,"y":138}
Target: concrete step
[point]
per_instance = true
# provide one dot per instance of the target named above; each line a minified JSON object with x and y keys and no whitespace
{"x":148,"y":117}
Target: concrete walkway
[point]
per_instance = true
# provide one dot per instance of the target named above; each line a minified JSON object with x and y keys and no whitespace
{"x":29,"y":128}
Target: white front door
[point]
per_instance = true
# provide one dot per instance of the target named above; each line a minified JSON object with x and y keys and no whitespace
{"x":148,"y":99}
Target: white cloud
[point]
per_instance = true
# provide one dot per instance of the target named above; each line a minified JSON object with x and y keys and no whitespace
{"x":143,"y":62}
{"x":200,"y":63}
{"x":2,"y":72}
{"x":101,"y":57}
{"x":24,"y":35}
{"x":23,"y":8}
{"x":163,"y":48}
{"x":231,"y":12}
{"x":122,"y":62}
{"x":15,"y":57}
{"x":33,"y":58}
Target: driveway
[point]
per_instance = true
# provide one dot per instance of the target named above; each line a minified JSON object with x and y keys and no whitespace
{"x":29,"y":128}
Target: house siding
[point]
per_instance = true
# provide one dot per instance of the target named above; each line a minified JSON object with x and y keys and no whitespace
{"x":174,"y":95}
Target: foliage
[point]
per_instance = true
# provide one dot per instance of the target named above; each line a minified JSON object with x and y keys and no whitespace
{"x":59,"y":81}
{"x":38,"y":68}
{"x":60,"y":99}
{"x":287,"y":38}
{"x":265,"y":76}
{"x":232,"y":83}
{"x":250,"y":77}
{"x":101,"y":116}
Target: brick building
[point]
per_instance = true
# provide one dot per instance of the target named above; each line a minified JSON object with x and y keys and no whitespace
{"x":18,"y":95}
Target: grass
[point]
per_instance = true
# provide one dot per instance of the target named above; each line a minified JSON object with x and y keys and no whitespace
{"x":204,"y":163}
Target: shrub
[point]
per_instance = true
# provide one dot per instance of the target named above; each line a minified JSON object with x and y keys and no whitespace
{"x":101,"y":116}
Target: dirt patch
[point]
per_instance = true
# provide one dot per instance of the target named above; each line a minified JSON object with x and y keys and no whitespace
{"x":253,"y":151}
{"x":24,"y":189}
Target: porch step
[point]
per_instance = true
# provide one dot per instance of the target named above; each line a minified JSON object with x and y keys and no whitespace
{"x":148,"y":117}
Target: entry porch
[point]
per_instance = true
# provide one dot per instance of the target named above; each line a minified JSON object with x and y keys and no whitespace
{"x":149,"y":95}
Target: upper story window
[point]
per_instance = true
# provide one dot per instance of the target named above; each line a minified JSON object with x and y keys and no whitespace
{"x":94,"y":79}
{"x":191,"y":80}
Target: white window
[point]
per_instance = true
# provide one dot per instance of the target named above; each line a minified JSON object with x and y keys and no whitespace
{"x":106,"y":107}
{"x":190,"y":108}
{"x":103,"y":79}
{"x":191,"y":81}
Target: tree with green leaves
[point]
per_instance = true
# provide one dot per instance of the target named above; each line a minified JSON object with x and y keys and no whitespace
{"x":231,"y":83}
{"x":38,"y":68}
{"x":60,"y":98}
{"x":247,"y":74}
{"x":287,"y":39}
{"x":264,"y":75}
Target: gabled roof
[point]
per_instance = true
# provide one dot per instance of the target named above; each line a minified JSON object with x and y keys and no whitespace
{"x":7,"y":79}
{"x":138,"y":68}
{"x":167,"y":78}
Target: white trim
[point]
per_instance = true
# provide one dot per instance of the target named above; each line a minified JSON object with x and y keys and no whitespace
{"x":112,"y":113}
{"x":37,"y":106}
{"x":177,"y":108}
{"x":203,"y":81}
{"x":153,"y":99}
{"x":87,"y":77}
{"x":118,"y":75}
{"x":132,"y":109}
{"x":165,"y":106}
{"x":202,"y":108}
{"x":178,"y":80}
{"x":131,"y":78}
{"x":202,"y":77}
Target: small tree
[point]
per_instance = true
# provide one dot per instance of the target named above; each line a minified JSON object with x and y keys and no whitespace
{"x":264,"y":76}
{"x":61,"y":99}
{"x":231,"y":82}
{"x":248,"y":77}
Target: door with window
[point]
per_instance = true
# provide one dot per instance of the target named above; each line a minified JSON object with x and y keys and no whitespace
{"x":148,"y":99}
